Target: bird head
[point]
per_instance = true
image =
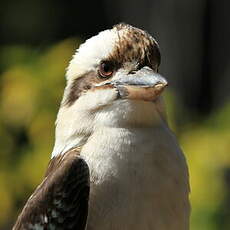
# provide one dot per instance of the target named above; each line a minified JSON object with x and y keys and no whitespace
{"x":112,"y":80}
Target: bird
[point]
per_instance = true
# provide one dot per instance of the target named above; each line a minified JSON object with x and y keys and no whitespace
{"x":116,"y":164}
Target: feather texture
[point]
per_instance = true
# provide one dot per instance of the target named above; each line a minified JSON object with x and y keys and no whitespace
{"x":61,"y":200}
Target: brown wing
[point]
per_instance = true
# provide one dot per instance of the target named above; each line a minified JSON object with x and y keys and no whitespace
{"x":61,"y":200}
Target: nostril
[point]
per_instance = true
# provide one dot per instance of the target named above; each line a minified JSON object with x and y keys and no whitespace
{"x":132,"y":72}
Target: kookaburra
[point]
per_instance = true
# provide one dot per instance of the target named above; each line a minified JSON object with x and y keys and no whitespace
{"x":115,"y":165}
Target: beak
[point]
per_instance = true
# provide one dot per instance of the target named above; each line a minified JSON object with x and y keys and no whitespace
{"x":144,"y":85}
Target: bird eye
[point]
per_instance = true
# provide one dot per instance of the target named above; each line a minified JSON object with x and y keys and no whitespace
{"x":105,"y":69}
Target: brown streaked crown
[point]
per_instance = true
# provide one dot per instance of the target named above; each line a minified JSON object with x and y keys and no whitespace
{"x":135,"y":45}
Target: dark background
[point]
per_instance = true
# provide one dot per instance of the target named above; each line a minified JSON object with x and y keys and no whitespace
{"x":37,"y":39}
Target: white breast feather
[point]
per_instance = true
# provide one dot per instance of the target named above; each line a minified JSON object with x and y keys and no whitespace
{"x":138,"y":180}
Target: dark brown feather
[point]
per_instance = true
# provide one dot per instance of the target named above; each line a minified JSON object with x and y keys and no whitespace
{"x":61,"y":200}
{"x":136,"y":45}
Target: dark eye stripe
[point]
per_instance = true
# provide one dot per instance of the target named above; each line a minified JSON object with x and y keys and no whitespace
{"x":80,"y":85}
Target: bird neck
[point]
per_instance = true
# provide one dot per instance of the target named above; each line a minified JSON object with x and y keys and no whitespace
{"x":74,"y":126}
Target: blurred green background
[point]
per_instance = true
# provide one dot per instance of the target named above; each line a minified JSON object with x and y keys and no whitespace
{"x":37,"y":44}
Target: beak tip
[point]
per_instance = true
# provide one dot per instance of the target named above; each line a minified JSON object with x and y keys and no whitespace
{"x":161,"y":84}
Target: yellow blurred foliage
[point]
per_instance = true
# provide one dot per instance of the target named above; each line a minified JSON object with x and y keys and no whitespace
{"x":31,"y":89}
{"x":6,"y":204}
